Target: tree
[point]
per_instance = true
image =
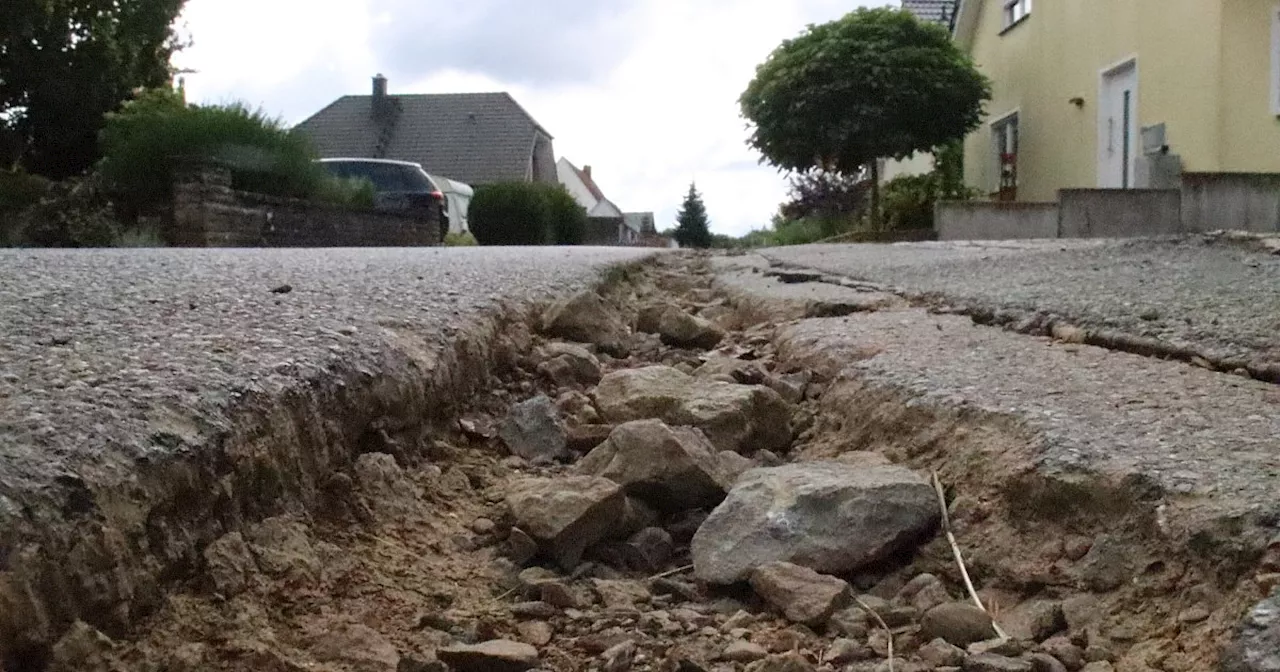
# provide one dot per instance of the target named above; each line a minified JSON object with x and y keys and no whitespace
{"x":875,"y":84}
{"x":65,"y":63}
{"x":827,"y":196}
{"x":693,"y":229}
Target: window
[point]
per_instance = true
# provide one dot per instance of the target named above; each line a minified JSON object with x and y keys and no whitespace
{"x":1015,"y":11}
{"x":1275,"y":60}
{"x":1004,"y":136}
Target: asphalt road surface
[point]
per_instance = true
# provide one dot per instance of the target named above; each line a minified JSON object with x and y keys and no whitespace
{"x":101,"y":348}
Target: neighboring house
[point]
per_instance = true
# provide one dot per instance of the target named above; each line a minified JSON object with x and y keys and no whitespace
{"x":474,"y":138}
{"x":1099,"y":93}
{"x":640,"y":222}
{"x":943,"y":13}
{"x":606,"y":224}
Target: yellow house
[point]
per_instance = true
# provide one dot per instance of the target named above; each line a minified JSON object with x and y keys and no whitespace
{"x":1079,"y":84}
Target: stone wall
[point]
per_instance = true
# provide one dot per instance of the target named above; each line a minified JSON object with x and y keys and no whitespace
{"x":207,"y":212}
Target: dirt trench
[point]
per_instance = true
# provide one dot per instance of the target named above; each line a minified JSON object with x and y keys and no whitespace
{"x":403,"y":555}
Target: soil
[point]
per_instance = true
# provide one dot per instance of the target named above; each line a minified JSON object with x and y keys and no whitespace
{"x":407,"y":558}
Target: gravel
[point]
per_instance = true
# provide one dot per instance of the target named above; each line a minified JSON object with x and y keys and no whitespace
{"x":1221,"y":299}
{"x":108,"y":357}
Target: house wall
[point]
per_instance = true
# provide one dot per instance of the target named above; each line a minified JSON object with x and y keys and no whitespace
{"x":573,"y":184}
{"x":1059,"y":52}
{"x":543,"y":162}
{"x":1250,"y":128}
{"x":208,"y":213}
{"x":919,"y":163}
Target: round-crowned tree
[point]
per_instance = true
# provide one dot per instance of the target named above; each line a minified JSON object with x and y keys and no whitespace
{"x":877,"y":83}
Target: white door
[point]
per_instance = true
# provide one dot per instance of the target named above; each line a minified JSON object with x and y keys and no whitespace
{"x":1118,"y":127}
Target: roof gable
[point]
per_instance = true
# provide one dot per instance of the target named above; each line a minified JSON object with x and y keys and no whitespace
{"x":476,"y":138}
{"x":585,"y":190}
{"x":942,"y":12}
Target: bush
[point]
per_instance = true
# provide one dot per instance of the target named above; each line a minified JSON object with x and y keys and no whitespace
{"x":18,"y":191}
{"x":509,"y":213}
{"x":568,"y":219}
{"x":908,"y":202}
{"x":147,"y":142}
{"x":522,"y":213}
{"x":72,"y":214}
{"x":460,"y":240}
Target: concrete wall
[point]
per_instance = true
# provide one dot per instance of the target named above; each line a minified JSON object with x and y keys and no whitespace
{"x":995,"y":220}
{"x":208,"y":213}
{"x":1118,"y":213}
{"x":1240,"y":201}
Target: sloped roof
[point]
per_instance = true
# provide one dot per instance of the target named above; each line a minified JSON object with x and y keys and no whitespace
{"x":934,"y":11}
{"x":476,"y":138}
{"x":589,"y":183}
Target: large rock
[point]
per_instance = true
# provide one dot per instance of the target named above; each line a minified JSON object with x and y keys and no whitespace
{"x":741,"y":418}
{"x":587,"y":318}
{"x":672,"y":469}
{"x":1256,"y":647}
{"x":830,"y":517}
{"x":959,"y":623}
{"x":567,"y":515}
{"x":568,"y":364}
{"x":499,"y":655}
{"x":680,"y":329}
{"x":801,"y":594}
{"x":533,"y":430}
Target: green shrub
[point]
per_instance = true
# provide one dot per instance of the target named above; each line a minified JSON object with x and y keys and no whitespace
{"x":72,"y":214}
{"x":522,"y":213}
{"x":568,"y":219}
{"x":18,"y":191}
{"x":460,"y":240}
{"x":908,"y":201}
{"x":152,"y":137}
{"x":510,"y":213}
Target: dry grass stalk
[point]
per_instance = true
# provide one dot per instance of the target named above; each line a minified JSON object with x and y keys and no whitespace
{"x":955,"y":550}
{"x":884,"y":625}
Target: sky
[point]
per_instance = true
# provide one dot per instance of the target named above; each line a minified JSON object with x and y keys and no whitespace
{"x":643,"y":91}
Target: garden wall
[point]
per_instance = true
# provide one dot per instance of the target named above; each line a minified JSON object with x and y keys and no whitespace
{"x":207,"y":212}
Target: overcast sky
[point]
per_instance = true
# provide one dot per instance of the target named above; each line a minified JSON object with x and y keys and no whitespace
{"x":644,"y":91}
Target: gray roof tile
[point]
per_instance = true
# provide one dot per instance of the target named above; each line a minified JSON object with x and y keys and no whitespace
{"x":934,"y":11}
{"x":476,"y":138}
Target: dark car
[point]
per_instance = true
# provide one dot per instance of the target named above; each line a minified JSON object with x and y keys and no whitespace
{"x":399,"y":186}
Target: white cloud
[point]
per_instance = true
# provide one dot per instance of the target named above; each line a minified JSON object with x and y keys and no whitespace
{"x":664,"y":115}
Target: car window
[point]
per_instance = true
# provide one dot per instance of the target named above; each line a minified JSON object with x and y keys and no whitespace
{"x":384,"y":176}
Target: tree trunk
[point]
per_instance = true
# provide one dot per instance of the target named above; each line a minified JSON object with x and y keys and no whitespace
{"x":874,"y":219}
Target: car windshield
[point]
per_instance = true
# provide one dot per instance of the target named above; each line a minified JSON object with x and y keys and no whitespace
{"x":385,"y":177}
